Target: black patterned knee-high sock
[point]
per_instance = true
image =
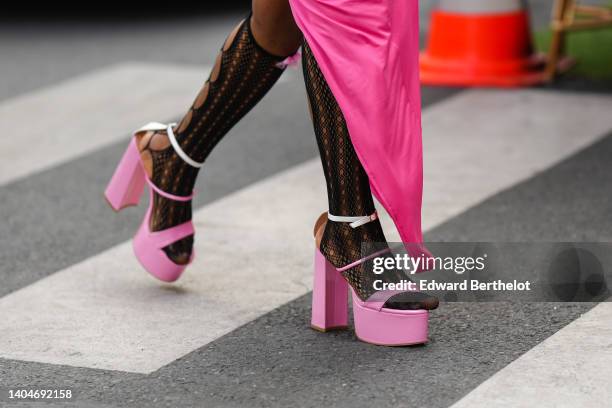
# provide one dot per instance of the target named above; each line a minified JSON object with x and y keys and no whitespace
{"x":243,"y":74}
{"x":348,"y":186}
{"x":349,"y":194}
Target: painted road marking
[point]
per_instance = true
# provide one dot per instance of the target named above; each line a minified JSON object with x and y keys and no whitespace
{"x":481,"y":142}
{"x":255,"y":246}
{"x":572,"y":368}
{"x":50,"y":126}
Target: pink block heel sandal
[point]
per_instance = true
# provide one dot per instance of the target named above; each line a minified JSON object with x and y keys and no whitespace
{"x":125,"y":189}
{"x":374,"y":323}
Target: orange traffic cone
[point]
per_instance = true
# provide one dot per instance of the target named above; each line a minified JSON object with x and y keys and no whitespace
{"x":481,"y":43}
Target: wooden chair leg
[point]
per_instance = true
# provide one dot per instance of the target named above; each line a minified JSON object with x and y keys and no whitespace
{"x":554,"y":54}
{"x":557,"y":44}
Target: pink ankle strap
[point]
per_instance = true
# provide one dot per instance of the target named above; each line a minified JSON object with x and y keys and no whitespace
{"x":168,"y":195}
{"x":362,"y":260}
{"x":171,"y":235}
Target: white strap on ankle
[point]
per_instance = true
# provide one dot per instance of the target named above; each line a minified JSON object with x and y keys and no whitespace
{"x":152,"y":126}
{"x":179,"y":151}
{"x":156,"y":126}
{"x":354,"y":221}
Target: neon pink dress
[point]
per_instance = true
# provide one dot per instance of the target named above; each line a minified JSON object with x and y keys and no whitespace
{"x":368,"y":52}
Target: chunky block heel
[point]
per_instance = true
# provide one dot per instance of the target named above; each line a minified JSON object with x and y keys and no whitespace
{"x":127,"y":184}
{"x":374,"y":323}
{"x":329,"y":297}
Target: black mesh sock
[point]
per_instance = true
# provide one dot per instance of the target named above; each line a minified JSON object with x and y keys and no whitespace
{"x":348,"y":191}
{"x":243,"y":74}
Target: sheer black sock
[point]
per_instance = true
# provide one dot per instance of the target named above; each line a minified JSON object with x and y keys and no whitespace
{"x":348,"y":187}
{"x":348,"y":192}
{"x":243,"y":74}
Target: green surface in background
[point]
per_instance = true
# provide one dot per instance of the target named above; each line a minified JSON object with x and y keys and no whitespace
{"x":592,"y":50}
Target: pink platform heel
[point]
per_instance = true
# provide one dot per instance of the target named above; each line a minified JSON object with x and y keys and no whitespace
{"x":373,"y":323}
{"x":125,"y":189}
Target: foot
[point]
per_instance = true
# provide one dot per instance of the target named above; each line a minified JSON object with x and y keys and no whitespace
{"x":341,"y":245}
{"x":168,"y":172}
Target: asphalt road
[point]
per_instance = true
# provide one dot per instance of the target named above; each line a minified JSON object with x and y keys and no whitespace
{"x":275,"y":360}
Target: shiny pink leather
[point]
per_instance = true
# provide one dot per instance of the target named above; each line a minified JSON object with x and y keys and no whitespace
{"x":329,"y":296}
{"x":148,"y":247}
{"x":373,"y":323}
{"x":127,"y":184}
{"x":125,"y":189}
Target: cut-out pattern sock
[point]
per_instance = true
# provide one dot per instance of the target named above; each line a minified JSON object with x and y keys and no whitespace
{"x":243,"y":74}
{"x":348,"y":192}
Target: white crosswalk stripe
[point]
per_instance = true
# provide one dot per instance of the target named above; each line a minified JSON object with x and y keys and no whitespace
{"x":119,"y":318}
{"x":255,"y":246}
{"x":481,"y":142}
{"x":84,"y":114}
{"x":572,"y":368}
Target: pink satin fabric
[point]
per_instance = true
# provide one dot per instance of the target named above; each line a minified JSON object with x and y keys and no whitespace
{"x":368,"y":52}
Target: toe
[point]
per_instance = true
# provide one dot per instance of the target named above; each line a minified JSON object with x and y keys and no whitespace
{"x":430,"y":303}
{"x":412,"y":301}
{"x":179,"y":252}
{"x":181,"y":258}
